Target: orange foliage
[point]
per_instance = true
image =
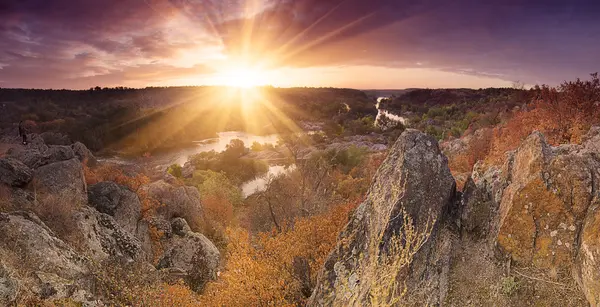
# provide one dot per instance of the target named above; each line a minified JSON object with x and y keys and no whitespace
{"x":168,"y":295}
{"x":134,"y":183}
{"x":218,"y":209}
{"x":260,"y":272}
{"x":112,"y":173}
{"x":156,"y":237}
{"x":562,"y":114}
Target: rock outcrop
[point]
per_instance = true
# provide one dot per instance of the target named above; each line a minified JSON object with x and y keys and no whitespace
{"x":117,"y":201}
{"x":27,"y":242}
{"x":14,"y":173}
{"x":63,"y":178}
{"x":413,"y":185}
{"x":541,"y":209}
{"x":179,"y":201}
{"x":55,"y":138}
{"x":192,"y":255}
{"x":105,"y":238}
{"x":37,"y":153}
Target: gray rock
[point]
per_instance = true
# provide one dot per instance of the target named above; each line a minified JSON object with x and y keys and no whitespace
{"x":9,"y":286}
{"x":57,"y":153}
{"x":14,"y":173}
{"x":415,"y":181}
{"x":179,"y":201}
{"x":55,"y":138}
{"x":63,"y":178}
{"x":26,"y":236}
{"x":84,"y":154}
{"x":38,"y":155}
{"x":104,"y":238}
{"x":31,"y":157}
{"x":194,"y":256}
{"x":117,"y":201}
{"x":188,"y":170}
{"x":180,"y":227}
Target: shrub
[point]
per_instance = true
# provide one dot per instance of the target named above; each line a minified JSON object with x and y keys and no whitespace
{"x":509,"y":285}
{"x":175,"y":170}
{"x":261,"y":272}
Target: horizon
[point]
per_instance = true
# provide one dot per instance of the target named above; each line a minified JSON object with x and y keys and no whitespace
{"x":383,"y":44}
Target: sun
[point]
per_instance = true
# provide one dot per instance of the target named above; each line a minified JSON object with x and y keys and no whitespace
{"x":244,"y":77}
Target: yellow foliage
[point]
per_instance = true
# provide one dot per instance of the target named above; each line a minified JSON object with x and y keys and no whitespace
{"x":259,"y":272}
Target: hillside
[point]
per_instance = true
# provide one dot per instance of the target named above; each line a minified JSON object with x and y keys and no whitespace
{"x":507,"y":214}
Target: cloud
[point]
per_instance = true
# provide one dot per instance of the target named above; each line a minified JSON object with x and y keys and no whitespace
{"x":66,"y":43}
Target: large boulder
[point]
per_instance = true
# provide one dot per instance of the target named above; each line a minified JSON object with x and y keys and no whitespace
{"x":104,"y":238}
{"x":28,"y":243}
{"x":178,"y":201}
{"x":543,"y":209}
{"x":14,"y":173}
{"x":540,"y":209}
{"x":31,"y":157}
{"x":117,"y":201}
{"x":38,"y":154}
{"x":57,"y":153}
{"x":191,"y":254}
{"x":64,"y":179}
{"x":409,"y":197}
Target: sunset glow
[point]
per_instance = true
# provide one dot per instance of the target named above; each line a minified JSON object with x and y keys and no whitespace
{"x":243,"y":77}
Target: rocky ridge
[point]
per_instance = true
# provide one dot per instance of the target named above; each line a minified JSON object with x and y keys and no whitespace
{"x":107,"y":225}
{"x":531,"y":225}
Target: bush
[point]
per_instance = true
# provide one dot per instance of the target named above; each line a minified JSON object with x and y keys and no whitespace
{"x":175,"y":170}
{"x":260,"y":272}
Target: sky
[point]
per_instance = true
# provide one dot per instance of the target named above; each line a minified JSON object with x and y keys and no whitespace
{"x":365,"y":44}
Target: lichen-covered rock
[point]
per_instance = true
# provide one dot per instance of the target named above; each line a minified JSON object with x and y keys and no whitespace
{"x":588,"y":257}
{"x":63,"y":178}
{"x":178,"y":200}
{"x":104,"y":238}
{"x":117,"y":201}
{"x":14,"y":173}
{"x":194,"y":256}
{"x":414,"y":180}
{"x":543,"y":209}
{"x":25,"y":236}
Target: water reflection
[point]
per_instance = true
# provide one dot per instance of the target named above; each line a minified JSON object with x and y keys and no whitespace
{"x":260,"y":183}
{"x":219,"y":143}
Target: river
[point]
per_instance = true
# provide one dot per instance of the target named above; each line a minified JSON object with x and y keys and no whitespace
{"x":219,"y":143}
{"x":387,"y":113}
